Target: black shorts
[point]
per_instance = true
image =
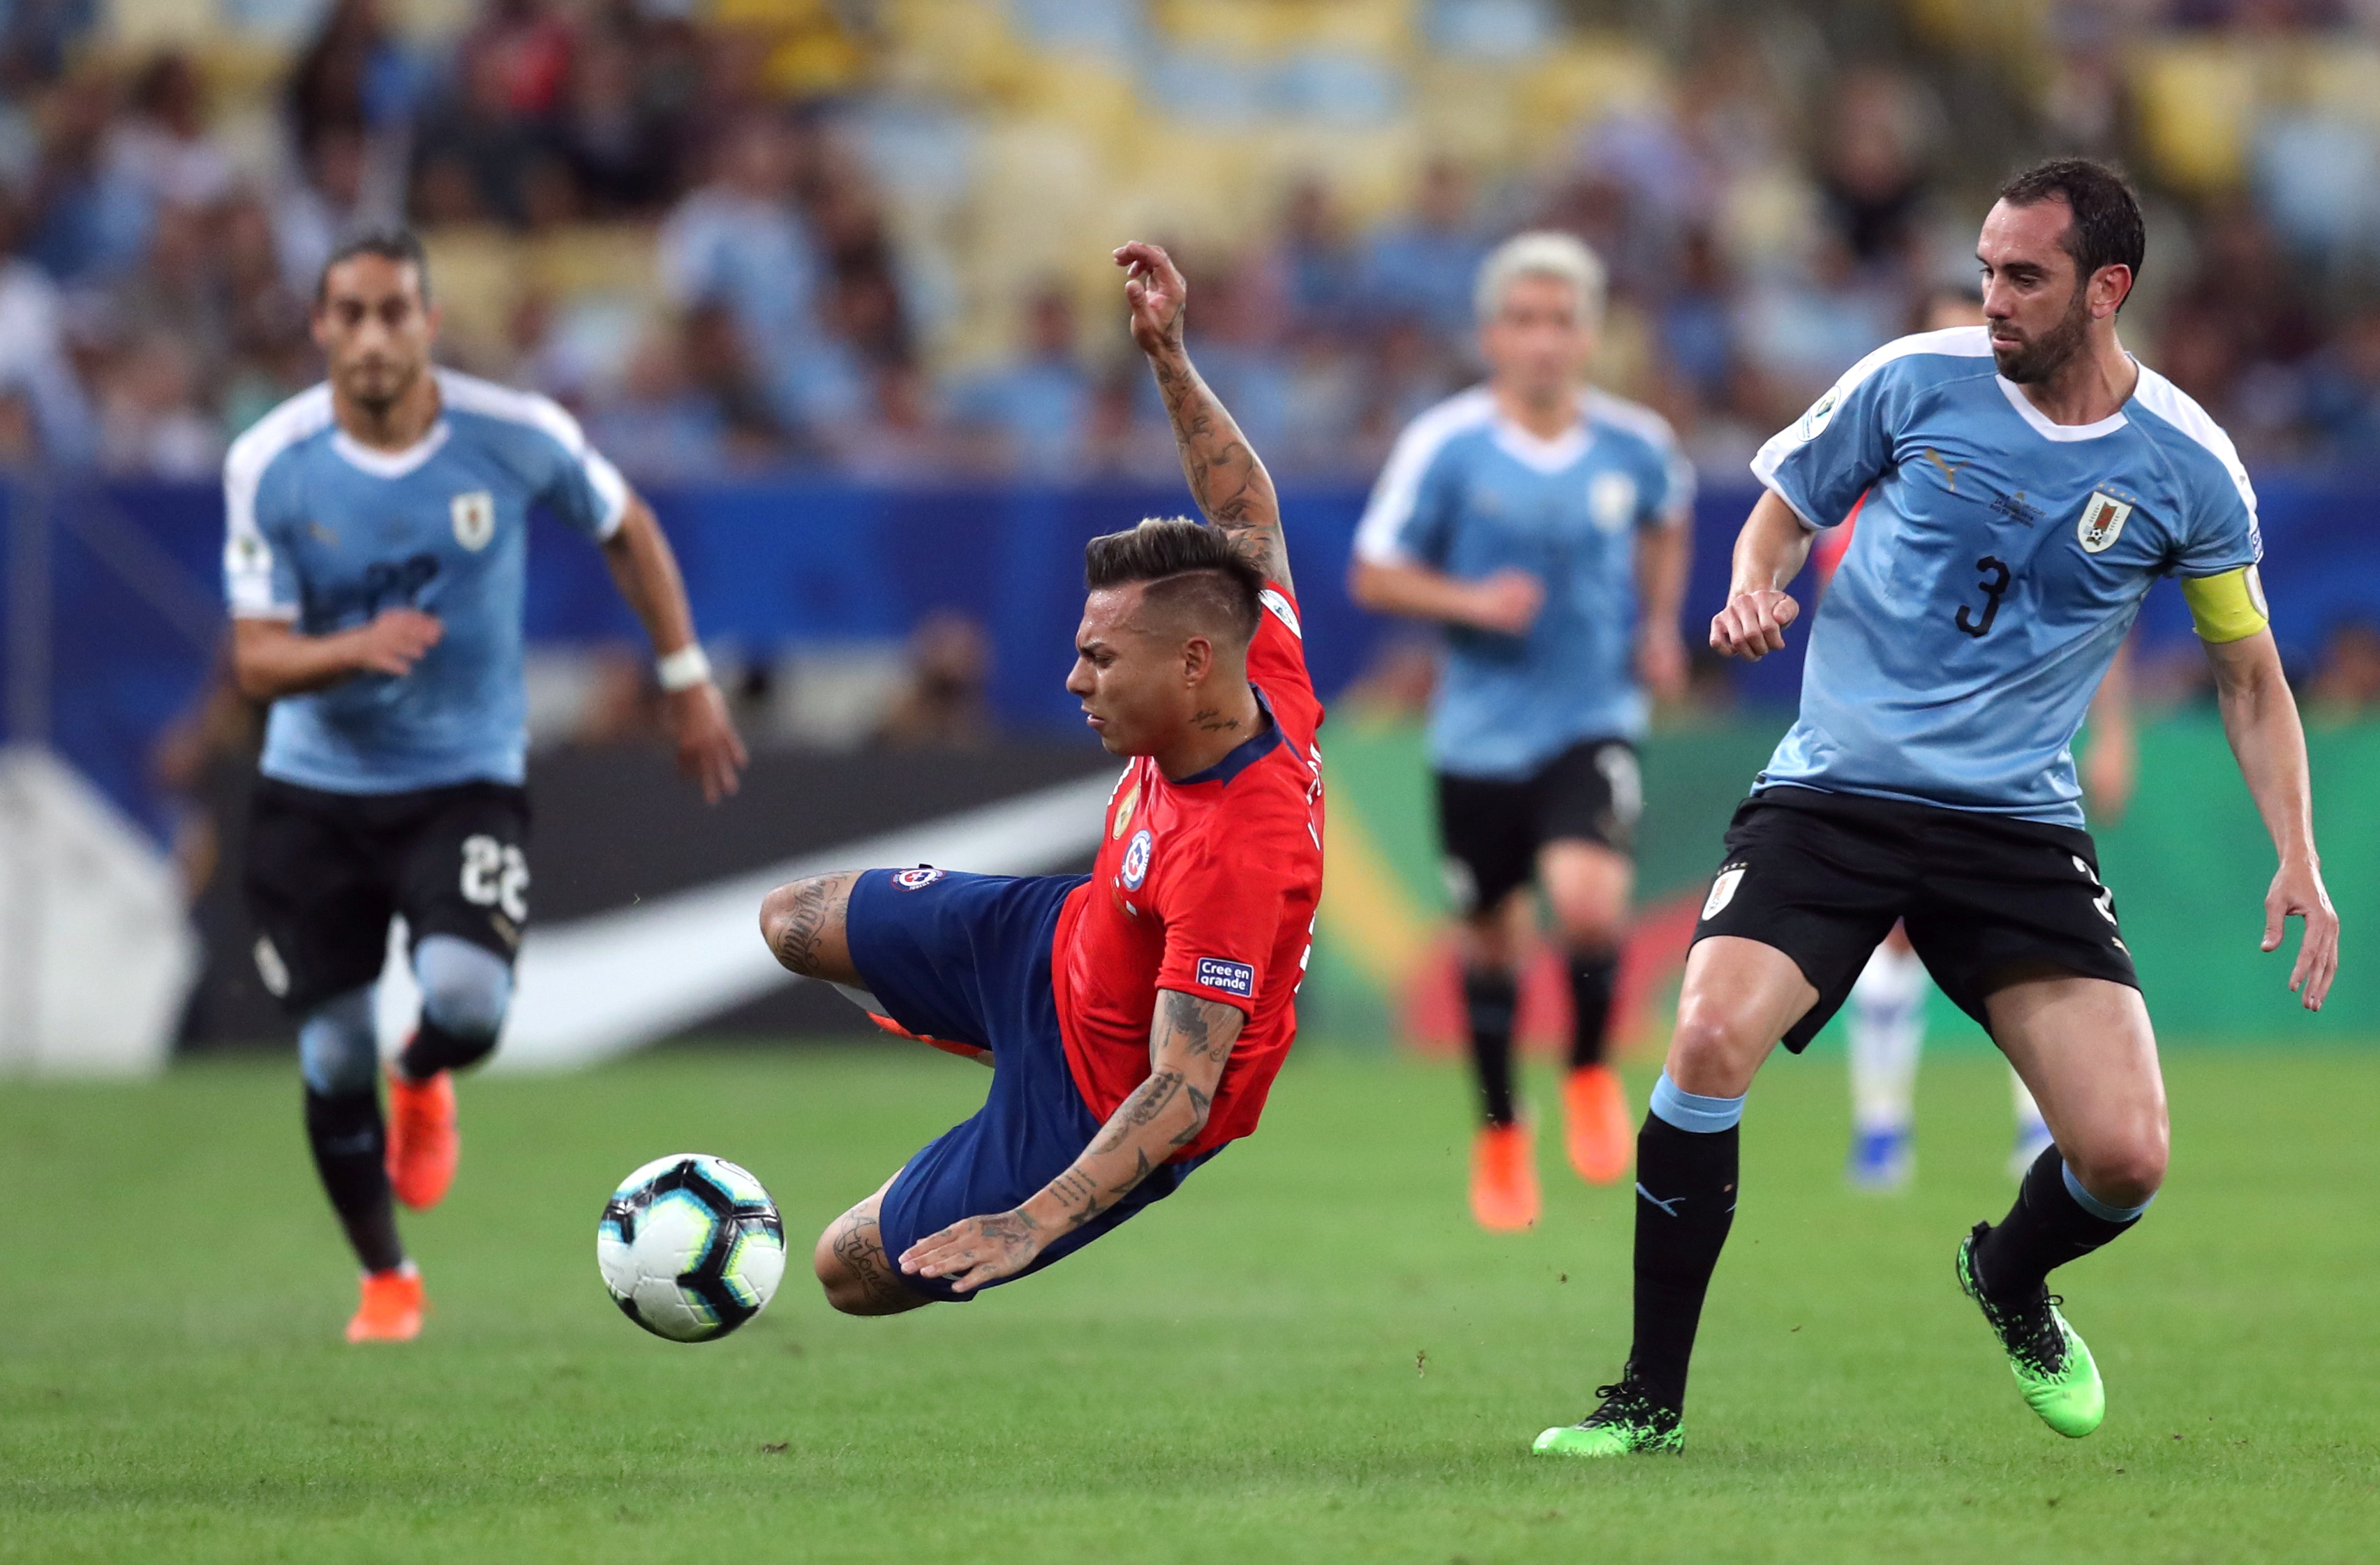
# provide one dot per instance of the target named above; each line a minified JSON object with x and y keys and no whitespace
{"x":325,"y":872}
{"x":1492,"y":829}
{"x":1821,"y":877}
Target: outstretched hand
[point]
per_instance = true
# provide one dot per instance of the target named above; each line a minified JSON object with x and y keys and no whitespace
{"x":1156,"y":290}
{"x":2298,"y":892}
{"x":976,"y":1251}
{"x":710,"y":752}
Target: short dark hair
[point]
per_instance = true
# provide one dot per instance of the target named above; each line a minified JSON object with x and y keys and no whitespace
{"x":389,"y":244}
{"x":2106,"y":230}
{"x":1188,"y":566}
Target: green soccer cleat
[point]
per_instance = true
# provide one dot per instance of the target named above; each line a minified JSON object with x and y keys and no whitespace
{"x":1627,"y":1424}
{"x":2052,"y":1367}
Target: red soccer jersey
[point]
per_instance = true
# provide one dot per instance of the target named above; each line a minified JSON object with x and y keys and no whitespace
{"x":1207,"y":885}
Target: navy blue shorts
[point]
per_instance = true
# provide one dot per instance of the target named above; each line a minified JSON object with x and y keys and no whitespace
{"x":965,"y":958}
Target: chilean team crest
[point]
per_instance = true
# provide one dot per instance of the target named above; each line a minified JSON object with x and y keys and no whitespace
{"x":1136,"y":859}
{"x":475,"y":519}
{"x":917,"y":880}
{"x":2103,"y":521}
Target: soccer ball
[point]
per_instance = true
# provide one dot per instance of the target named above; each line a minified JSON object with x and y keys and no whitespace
{"x":690,"y":1247}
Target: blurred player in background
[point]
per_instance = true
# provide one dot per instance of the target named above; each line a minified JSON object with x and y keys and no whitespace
{"x":1134,"y":1020}
{"x":1886,"y":1025}
{"x":2026,"y":483}
{"x":1545,"y":525}
{"x":375,"y":563}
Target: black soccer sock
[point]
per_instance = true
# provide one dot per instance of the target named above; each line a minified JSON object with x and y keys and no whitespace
{"x":1685,"y":1204}
{"x":434,"y":1048}
{"x":1489,"y":999}
{"x":1592,"y":979}
{"x":2047,"y":1227}
{"x":350,"y":1149}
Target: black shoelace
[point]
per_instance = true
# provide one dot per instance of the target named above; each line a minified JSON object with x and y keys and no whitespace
{"x":2030,"y":1332}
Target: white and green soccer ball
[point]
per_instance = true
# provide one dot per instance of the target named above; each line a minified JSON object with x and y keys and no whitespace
{"x":691,"y":1247}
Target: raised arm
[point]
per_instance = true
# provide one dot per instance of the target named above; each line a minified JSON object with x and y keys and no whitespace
{"x":645,"y":569}
{"x":1230,"y":485}
{"x":2259,"y":717}
{"x":1769,"y":553}
{"x":1189,"y":1042}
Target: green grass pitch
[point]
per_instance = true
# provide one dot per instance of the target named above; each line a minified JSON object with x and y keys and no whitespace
{"x":1307,"y":1355}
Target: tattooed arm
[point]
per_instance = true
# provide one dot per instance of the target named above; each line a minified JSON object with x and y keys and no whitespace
{"x":1230,"y":484}
{"x":1189,"y":1043}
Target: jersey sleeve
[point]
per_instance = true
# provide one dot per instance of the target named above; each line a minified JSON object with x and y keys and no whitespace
{"x":1669,"y":499}
{"x":1222,"y":920}
{"x":1277,"y":659}
{"x":1821,"y":464}
{"x":259,"y":577}
{"x":583,"y":489}
{"x":2220,"y":531}
{"x":1407,"y":520}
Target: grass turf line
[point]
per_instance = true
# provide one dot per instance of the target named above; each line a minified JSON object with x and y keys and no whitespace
{"x":1308,"y":1354}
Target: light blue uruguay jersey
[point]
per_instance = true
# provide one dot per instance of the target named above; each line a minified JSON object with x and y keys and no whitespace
{"x":325,"y":532}
{"x":1994,"y":568}
{"x":1469,"y":492}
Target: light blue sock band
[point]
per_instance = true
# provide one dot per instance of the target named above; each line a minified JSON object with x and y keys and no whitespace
{"x":1691,"y":1110}
{"x":2096,"y":1208}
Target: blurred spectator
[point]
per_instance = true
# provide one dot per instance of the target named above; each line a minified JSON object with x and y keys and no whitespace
{"x":2343,"y":392}
{"x":900,"y":441}
{"x":740,"y":243}
{"x":2347,"y":684}
{"x":150,"y":421}
{"x":89,"y":219}
{"x":943,"y":704}
{"x":616,"y":141}
{"x":481,"y":143}
{"x":177,"y":291}
{"x":164,"y":148}
{"x":1035,"y":410}
{"x":1422,"y":267}
{"x":1306,"y":272}
{"x":327,"y":201}
{"x":660,"y":426}
{"x":1240,"y":356}
{"x":46,"y":412}
{"x":1873,"y":181}
{"x":353,"y":77}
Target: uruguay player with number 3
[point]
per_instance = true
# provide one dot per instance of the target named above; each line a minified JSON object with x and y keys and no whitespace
{"x":375,"y":560}
{"x":1134,"y":1019}
{"x":2027,"y":482}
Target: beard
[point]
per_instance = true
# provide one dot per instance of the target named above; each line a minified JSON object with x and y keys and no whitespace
{"x":2030,"y":363}
{"x":378,"y":386}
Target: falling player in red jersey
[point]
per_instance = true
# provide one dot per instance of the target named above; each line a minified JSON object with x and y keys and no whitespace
{"x":1134,"y":1018}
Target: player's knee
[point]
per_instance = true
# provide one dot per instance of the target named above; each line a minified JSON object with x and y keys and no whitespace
{"x":2121,"y":1171}
{"x":1714,"y":1048}
{"x":338,"y":1047}
{"x":465,"y":988}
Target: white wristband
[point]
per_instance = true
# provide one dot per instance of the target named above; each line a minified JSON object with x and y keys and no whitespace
{"x":684,"y":669}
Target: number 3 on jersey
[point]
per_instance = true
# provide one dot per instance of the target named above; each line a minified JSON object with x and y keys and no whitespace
{"x":1996,"y":581}
{"x":495,"y":875}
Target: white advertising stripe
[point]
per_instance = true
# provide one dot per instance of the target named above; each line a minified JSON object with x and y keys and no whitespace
{"x":595,"y":988}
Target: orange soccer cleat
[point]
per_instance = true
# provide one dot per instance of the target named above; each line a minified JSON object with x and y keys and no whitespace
{"x":392,"y":1307}
{"x":1504,"y":1178}
{"x":1594,"y":1121}
{"x":423,"y":1145}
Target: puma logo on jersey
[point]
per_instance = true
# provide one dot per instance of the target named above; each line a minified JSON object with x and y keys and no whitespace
{"x":1950,"y":469}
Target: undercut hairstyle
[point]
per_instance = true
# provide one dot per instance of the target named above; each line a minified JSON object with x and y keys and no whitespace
{"x":1191,"y":570}
{"x":390,"y":244}
{"x":2106,"y":230}
{"x":1539,"y":253}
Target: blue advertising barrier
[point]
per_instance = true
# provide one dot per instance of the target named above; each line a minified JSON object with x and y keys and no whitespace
{"x":131,"y":605}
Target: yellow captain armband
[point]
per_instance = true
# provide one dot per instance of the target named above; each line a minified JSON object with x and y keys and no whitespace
{"x":2229,"y":607}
